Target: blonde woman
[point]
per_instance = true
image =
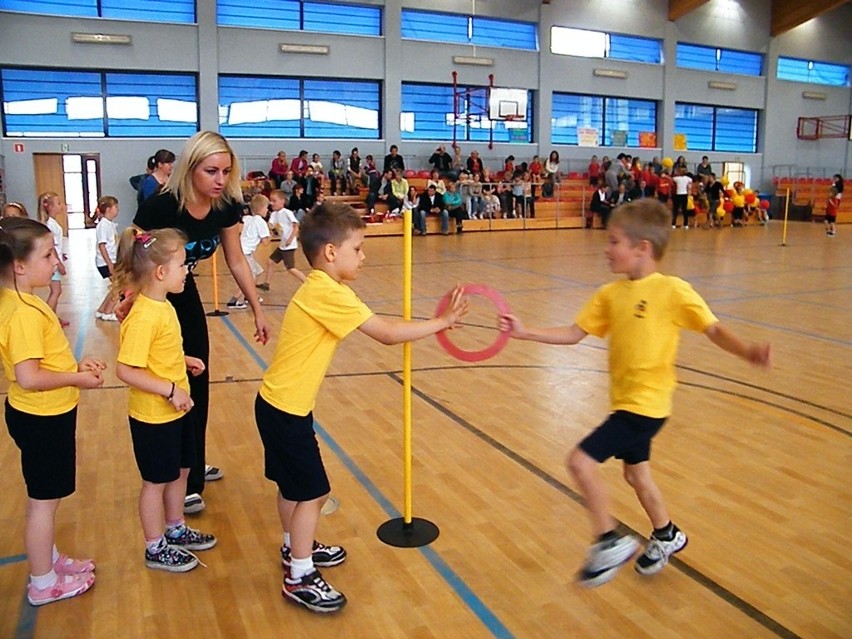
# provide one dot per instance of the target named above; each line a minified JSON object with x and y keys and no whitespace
{"x":203,"y":199}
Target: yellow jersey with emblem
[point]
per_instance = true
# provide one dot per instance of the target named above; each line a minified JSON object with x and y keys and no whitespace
{"x":642,"y":320}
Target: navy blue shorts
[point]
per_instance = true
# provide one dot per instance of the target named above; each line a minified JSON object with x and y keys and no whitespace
{"x":104,"y":271}
{"x":48,"y":448}
{"x":291,"y":452}
{"x":161,"y":450}
{"x":623,"y":435}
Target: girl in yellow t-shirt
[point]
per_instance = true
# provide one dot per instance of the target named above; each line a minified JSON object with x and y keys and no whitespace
{"x":151,"y":360}
{"x":41,"y":408}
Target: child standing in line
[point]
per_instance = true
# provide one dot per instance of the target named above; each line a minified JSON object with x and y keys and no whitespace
{"x":255,"y":232}
{"x":49,"y":206}
{"x":106,"y":236}
{"x":322,"y":312}
{"x":642,"y":315}
{"x":831,"y":208}
{"x":151,"y":361}
{"x":285,"y":221}
{"x":41,"y":408}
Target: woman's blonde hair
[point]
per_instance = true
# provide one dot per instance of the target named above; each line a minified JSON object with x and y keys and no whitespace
{"x":139,"y":252}
{"x":199,"y":147}
{"x":22,"y":210}
{"x":43,"y":200}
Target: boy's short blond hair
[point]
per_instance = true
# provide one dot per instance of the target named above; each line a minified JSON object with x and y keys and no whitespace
{"x":259,"y":203}
{"x":645,"y":219}
{"x":281,"y":195}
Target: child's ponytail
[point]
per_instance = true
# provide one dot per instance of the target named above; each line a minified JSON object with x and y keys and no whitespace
{"x":139,"y":252}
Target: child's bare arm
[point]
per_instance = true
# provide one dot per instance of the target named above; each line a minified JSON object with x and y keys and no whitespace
{"x":724,"y":338}
{"x":561,"y":335}
{"x":394,"y":331}
{"x":145,"y":381}
{"x":31,"y":376}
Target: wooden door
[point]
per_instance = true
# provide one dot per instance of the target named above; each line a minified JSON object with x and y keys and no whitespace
{"x":49,"y":176}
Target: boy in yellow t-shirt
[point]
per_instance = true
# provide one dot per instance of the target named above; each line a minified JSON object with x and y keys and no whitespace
{"x":642,"y":315}
{"x":322,"y":312}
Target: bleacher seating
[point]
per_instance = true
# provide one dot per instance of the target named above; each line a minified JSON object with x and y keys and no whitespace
{"x":813,"y":193}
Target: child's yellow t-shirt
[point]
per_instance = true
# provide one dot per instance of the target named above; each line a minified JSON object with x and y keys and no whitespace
{"x":151,"y":339}
{"x":320,"y":314}
{"x":642,"y":319}
{"x":29,"y":329}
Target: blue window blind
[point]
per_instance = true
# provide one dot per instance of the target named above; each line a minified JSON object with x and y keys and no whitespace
{"x":709,"y":128}
{"x":352,"y":19}
{"x":465,"y":29}
{"x":182,"y":11}
{"x":341,"y":109}
{"x":632,"y":116}
{"x":572,"y":111}
{"x":634,"y":49}
{"x":296,"y":15}
{"x":54,"y":103}
{"x":735,"y":130}
{"x":509,"y":34}
{"x":814,"y":72}
{"x":147,"y":105}
{"x":428,"y":113}
{"x":266,"y":106}
{"x":693,"y":56}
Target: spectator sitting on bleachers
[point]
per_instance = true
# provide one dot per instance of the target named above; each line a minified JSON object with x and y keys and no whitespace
{"x":380,"y":191}
{"x":337,"y":173}
{"x":474,"y":163}
{"x":312,"y":186}
{"x":318,"y":168}
{"x":436,"y":180}
{"x":491,"y":203}
{"x":369,"y":170}
{"x":442,"y":162}
{"x":299,"y":203}
{"x":299,"y":165}
{"x":454,"y":206}
{"x":431,"y":203}
{"x":393,"y":160}
{"x":287,"y":184}
{"x":278,"y":170}
{"x":410,"y":202}
{"x":353,"y":171}
{"x":474,"y":205}
{"x":399,"y":189}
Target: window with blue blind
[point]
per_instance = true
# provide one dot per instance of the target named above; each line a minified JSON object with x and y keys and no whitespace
{"x":466,"y":29}
{"x":299,"y":15}
{"x":797,"y":70}
{"x":266,"y":106}
{"x":612,"y":118}
{"x":709,"y":128}
{"x":598,"y":44}
{"x":428,"y":113}
{"x":59,"y":103}
{"x":181,"y":11}
{"x":693,"y":56}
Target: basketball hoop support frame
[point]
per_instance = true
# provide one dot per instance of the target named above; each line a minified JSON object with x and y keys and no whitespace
{"x":483,"y":111}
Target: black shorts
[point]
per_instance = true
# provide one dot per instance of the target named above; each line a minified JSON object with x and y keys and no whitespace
{"x":48,"y":451}
{"x":623,"y":435}
{"x":161,"y":450}
{"x":831,"y":219}
{"x":291,"y":452}
{"x":287,"y":255}
{"x":104,"y":271}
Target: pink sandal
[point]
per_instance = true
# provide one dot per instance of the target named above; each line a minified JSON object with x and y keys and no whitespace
{"x":66,"y":586}
{"x":66,"y":565}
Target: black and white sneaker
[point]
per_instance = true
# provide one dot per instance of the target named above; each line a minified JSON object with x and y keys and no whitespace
{"x":193,"y":504}
{"x":171,"y":559}
{"x":657,"y":553}
{"x":322,"y":556}
{"x":605,"y":558}
{"x":212,"y":473}
{"x":192,"y":539}
{"x":313,"y":592}
{"x":236,"y":304}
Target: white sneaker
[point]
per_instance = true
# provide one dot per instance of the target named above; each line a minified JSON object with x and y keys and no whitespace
{"x":657,"y":553}
{"x":605,"y":558}
{"x":109,"y":317}
{"x":193,"y":504}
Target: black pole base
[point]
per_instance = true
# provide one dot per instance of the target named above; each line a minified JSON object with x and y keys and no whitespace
{"x":217,"y":313}
{"x":396,"y":532}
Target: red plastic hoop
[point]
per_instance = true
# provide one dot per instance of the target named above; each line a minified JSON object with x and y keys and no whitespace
{"x":502,"y":336}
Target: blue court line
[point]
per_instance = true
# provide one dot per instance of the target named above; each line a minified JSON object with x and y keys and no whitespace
{"x":474,"y":603}
{"x":5,"y":561}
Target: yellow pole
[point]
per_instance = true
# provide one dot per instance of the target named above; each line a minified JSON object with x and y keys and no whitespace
{"x":786,"y":211}
{"x":215,"y":284}
{"x":406,"y":367}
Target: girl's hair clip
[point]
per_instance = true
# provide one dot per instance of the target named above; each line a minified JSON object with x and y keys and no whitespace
{"x":146,"y":239}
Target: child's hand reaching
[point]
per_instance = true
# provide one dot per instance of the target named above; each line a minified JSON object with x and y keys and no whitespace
{"x":760,"y":355}
{"x":194,"y":365}
{"x":511,"y":324}
{"x":457,"y":307}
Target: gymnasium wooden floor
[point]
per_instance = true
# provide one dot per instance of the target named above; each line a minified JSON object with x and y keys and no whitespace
{"x":754,"y":465}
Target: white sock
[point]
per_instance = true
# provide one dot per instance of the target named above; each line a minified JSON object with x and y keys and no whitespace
{"x":175,"y":530}
{"x":55,"y":554}
{"x":44,"y":581}
{"x":154,"y":546}
{"x":301,"y":567}
{"x":287,"y":539}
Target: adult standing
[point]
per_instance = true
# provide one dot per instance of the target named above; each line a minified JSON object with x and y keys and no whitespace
{"x":442,"y":162}
{"x":163,"y":161}
{"x":550,"y":172}
{"x":394,"y":161}
{"x":704,"y":168}
{"x":203,"y":199}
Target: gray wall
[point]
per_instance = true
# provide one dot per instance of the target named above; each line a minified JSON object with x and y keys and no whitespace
{"x":208,"y":50}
